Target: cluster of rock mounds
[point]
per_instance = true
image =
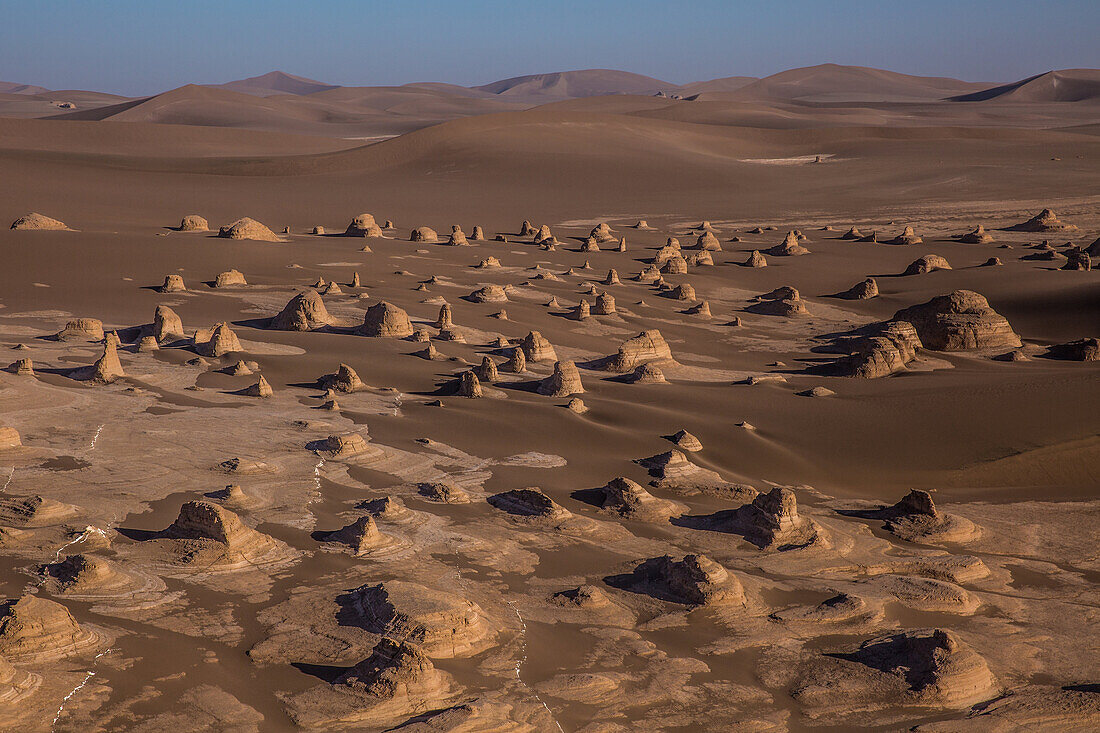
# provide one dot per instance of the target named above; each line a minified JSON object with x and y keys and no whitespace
{"x":959,"y":321}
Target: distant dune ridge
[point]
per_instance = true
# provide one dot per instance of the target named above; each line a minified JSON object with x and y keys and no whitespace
{"x":803,"y":97}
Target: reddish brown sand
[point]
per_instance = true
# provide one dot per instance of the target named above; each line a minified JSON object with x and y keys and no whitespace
{"x":256,"y":633}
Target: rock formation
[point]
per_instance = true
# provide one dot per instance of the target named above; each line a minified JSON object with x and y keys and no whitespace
{"x":785,"y":301}
{"x":89,"y":577}
{"x":22,"y":367}
{"x":647,"y":346}
{"x":883,"y":350}
{"x":646,"y":374}
{"x":229,"y":278}
{"x":362,"y":536}
{"x":397,"y":679}
{"x":852,"y":234}
{"x":487,"y":371}
{"x":957,"y":321}
{"x":468,"y":385}
{"x":709,"y":242}
{"x":684,"y":440}
{"x":305,"y":312}
{"x":35,"y":630}
{"x":565,"y":381}
{"x":212,"y":537}
{"x":38,"y":222}
{"x":217,"y":341}
{"x":350,"y":446}
{"x":683,"y":291}
{"x":344,"y":380}
{"x":172,"y":284}
{"x":629,"y":499}
{"x":363,"y":225}
{"x":788,"y":247}
{"x":864,"y":290}
{"x":695,"y":580}
{"x":926,"y":264}
{"x":386,"y":320}
{"x":82,"y":329}
{"x":443,"y":492}
{"x":537,"y":348}
{"x":1077,"y":259}
{"x":517,"y":361}
{"x":1044,"y":221}
{"x":107,"y":368}
{"x":260,"y":389}
{"x":756,"y":260}
{"x":35,"y":511}
{"x":602,"y":233}
{"x":423,"y":234}
{"x":458,"y":237}
{"x":247,"y":228}
{"x":605,"y":305}
{"x":489,"y":294}
{"x":931,"y":666}
{"x":167,"y":326}
{"x":193,"y":223}
{"x":916,"y":519}
{"x":675,"y":265}
{"x":1087,"y":349}
{"x":529,"y":502}
{"x":977,"y":236}
{"x":907,"y":236}
{"x":441,"y":624}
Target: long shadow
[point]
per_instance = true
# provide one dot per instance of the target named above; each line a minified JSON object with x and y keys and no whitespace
{"x":324,"y":672}
{"x":592,"y":497}
{"x":140,"y":535}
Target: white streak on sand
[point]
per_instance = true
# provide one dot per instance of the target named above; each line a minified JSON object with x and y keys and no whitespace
{"x":10,"y":477}
{"x":88,"y":676}
{"x":95,"y":438}
{"x":523,"y":658}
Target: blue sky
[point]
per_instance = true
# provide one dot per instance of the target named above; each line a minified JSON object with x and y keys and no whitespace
{"x":141,"y":47}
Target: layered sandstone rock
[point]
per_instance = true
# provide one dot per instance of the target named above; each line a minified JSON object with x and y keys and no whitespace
{"x":441,"y":624}
{"x":35,"y":630}
{"x":958,"y":321}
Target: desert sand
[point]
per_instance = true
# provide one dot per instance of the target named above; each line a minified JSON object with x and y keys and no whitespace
{"x":626,"y":406}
